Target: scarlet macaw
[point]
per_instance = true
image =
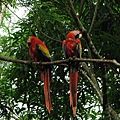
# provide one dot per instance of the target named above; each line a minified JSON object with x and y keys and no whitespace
{"x":72,"y":48}
{"x":39,"y":52}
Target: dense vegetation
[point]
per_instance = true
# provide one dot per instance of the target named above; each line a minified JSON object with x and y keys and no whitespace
{"x":21,"y":90}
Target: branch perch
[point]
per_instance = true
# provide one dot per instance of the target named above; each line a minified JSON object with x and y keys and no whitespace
{"x":3,"y":58}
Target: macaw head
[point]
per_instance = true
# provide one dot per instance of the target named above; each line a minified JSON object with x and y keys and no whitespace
{"x":30,"y":40}
{"x":75,"y":34}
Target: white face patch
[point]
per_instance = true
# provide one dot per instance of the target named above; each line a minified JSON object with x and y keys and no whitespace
{"x":76,"y":32}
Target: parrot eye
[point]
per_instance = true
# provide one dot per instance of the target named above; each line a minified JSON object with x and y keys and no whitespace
{"x":77,"y":36}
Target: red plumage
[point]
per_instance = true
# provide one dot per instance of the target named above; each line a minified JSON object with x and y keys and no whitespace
{"x":72,"y":48}
{"x":39,"y":52}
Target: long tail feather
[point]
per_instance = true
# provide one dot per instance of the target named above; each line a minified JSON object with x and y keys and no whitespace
{"x":47,"y":89}
{"x":73,"y":88}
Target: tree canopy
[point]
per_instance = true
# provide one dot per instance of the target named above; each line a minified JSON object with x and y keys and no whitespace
{"x":21,"y":89}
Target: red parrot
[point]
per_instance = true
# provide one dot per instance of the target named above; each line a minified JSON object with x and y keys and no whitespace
{"x":39,"y":52}
{"x":72,"y":48}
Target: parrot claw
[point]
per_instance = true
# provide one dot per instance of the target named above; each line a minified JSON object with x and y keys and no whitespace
{"x":30,"y":62}
{"x":74,"y":57}
{"x":70,"y":58}
{"x":41,"y":67}
{"x":40,"y":62}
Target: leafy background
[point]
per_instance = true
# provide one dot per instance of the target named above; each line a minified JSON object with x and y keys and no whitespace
{"x":21,"y":90}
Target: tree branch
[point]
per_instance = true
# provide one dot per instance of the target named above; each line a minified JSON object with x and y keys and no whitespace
{"x":2,"y":13}
{"x":92,"y":80}
{"x":113,"y":113}
{"x":50,"y":37}
{"x":3,"y":58}
{"x":94,"y":16}
{"x":12,"y":12}
{"x":81,"y":7}
{"x":104,"y":91}
{"x":76,"y":19}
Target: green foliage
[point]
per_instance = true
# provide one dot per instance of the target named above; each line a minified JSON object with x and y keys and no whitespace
{"x":21,"y":90}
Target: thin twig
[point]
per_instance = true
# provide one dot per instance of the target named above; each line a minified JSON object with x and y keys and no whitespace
{"x":2,"y":13}
{"x":92,"y":80}
{"x":13,"y":12}
{"x":81,"y":7}
{"x":75,"y":17}
{"x":94,"y":16}
{"x":50,"y":37}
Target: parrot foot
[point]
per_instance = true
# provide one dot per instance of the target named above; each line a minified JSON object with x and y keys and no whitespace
{"x":40,"y":62}
{"x":70,"y":58}
{"x":41,"y":67}
{"x":30,"y":62}
{"x":74,"y":57}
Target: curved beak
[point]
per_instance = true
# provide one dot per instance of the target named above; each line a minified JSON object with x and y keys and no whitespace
{"x":80,"y":35}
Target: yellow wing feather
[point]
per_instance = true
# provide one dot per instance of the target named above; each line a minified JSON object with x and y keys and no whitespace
{"x":44,"y":50}
{"x":80,"y":50}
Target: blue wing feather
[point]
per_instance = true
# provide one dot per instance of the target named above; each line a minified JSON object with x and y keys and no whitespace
{"x":42,"y":55}
{"x":65,"y":51}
